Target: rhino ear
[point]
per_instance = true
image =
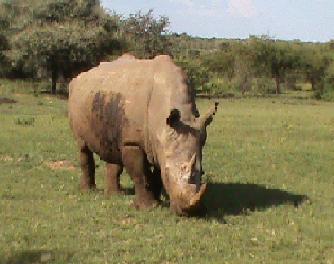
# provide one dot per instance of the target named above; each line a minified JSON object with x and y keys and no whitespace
{"x":174,"y":117}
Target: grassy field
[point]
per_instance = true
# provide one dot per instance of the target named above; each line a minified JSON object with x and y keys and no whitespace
{"x":270,"y":164}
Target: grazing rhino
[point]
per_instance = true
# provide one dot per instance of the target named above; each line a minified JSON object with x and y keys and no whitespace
{"x":141,"y":114}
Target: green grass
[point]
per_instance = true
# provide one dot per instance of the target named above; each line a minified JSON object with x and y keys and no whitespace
{"x":270,"y":163}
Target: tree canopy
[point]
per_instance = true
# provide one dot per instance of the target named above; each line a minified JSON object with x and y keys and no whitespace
{"x":61,"y":37}
{"x":147,"y":36}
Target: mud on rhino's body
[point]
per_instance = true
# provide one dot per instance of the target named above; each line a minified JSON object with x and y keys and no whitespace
{"x":140,"y":114}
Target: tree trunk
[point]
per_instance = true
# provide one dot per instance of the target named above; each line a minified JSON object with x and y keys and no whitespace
{"x":54,"y":81}
{"x":313,"y":84}
{"x":278,"y":84}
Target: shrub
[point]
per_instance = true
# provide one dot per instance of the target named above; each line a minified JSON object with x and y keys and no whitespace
{"x":264,"y":86}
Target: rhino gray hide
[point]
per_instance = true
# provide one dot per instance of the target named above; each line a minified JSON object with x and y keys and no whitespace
{"x":141,"y":114}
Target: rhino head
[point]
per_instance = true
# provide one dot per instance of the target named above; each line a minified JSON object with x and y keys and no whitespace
{"x":182,"y":169}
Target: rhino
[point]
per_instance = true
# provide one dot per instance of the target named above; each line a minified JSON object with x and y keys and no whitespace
{"x":141,"y":115}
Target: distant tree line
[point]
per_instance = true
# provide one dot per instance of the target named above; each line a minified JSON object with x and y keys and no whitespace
{"x":57,"y":39}
{"x":258,"y":65}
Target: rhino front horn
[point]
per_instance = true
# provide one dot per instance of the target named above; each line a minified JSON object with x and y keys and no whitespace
{"x":198,"y":196}
{"x":192,"y":161}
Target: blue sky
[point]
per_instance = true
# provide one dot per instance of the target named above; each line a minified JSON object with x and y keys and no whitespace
{"x":307,"y":20}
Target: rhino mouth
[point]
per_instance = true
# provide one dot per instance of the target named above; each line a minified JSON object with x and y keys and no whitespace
{"x":186,"y":189}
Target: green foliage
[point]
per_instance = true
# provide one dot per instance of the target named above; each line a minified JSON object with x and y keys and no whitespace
{"x":197,"y":74}
{"x":263,"y":86}
{"x":147,"y":35}
{"x":220,"y":62}
{"x":67,"y":10}
{"x":262,"y":156}
{"x":60,"y":45}
{"x":314,"y":63}
{"x":328,"y":93}
{"x":248,"y":65}
{"x":60,"y":38}
{"x":4,"y":42}
{"x":290,"y":81}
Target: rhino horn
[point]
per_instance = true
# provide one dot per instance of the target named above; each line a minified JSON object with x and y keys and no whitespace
{"x":192,"y":162}
{"x":195,"y":200}
{"x":208,"y":117}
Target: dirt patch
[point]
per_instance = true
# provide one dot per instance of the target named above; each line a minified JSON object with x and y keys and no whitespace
{"x":4,"y":100}
{"x":61,"y":165}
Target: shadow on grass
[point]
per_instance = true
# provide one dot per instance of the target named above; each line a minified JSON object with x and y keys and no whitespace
{"x":38,"y":256}
{"x":125,"y":191}
{"x":237,"y":198}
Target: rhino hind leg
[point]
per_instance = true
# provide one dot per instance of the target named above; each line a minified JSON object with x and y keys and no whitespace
{"x":136,"y":164}
{"x":87,"y":168}
{"x":113,"y":175}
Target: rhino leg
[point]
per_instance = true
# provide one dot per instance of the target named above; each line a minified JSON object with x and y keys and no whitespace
{"x":87,"y":168}
{"x":156,"y":182}
{"x":136,"y":164}
{"x":114,"y":172}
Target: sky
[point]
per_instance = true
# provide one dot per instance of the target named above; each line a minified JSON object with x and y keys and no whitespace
{"x":306,"y":20}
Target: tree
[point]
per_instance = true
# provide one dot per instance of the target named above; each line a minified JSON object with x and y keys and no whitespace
{"x":147,"y":35}
{"x":272,"y":57}
{"x":314,"y":63}
{"x":64,"y":37}
{"x":197,"y":74}
{"x":221,"y":62}
{"x":328,"y":93}
{"x":4,"y":43}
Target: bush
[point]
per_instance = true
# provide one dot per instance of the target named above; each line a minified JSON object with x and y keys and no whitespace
{"x":328,"y":94}
{"x":264,"y":86}
{"x":242,"y":84}
{"x":291,"y":82}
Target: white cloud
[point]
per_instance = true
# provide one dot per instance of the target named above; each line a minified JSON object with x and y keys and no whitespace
{"x":242,"y":8}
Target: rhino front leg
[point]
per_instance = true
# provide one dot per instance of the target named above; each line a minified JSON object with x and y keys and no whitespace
{"x":156,"y":182}
{"x":113,"y":175}
{"x":136,"y":164}
{"x":87,"y":168}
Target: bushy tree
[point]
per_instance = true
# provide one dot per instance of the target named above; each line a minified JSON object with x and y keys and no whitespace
{"x":314,"y":63}
{"x":328,"y":93}
{"x":273,"y":58}
{"x":147,"y":35}
{"x":221,"y":62}
{"x":4,"y":43}
{"x":198,"y":75}
{"x":62,"y":37}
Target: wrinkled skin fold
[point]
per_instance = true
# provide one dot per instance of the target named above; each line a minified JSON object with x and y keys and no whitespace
{"x":141,"y":115}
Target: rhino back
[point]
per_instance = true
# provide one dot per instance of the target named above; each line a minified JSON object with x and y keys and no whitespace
{"x":107,"y":106}
{"x":126,"y":102}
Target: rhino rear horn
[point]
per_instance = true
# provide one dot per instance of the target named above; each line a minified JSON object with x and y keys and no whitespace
{"x":174,"y":117}
{"x":208,"y":117}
